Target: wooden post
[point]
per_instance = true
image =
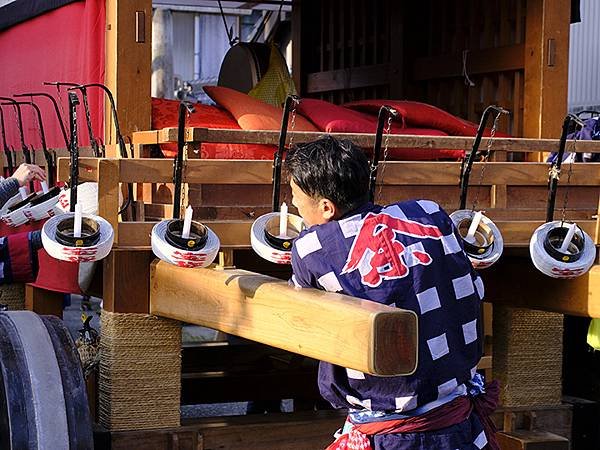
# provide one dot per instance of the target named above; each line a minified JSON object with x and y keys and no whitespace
{"x":546,"y":67}
{"x":43,"y":302}
{"x":128,"y":64}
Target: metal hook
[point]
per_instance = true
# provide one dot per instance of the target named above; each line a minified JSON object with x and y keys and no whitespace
{"x":56,"y":110}
{"x":465,"y":170}
{"x":88,"y":117}
{"x":9,"y":159}
{"x":47,"y":155}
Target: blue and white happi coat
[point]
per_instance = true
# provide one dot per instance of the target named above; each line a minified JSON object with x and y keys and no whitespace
{"x":408,"y":255}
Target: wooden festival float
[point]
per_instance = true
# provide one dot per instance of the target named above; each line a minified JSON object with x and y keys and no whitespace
{"x":517,"y":58}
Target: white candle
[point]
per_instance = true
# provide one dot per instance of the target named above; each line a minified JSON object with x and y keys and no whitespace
{"x":473,"y":227}
{"x":23,"y":192}
{"x":44,"y":186}
{"x":77,"y":223}
{"x":187,"y":222}
{"x":568,"y":238}
{"x":283,"y":220}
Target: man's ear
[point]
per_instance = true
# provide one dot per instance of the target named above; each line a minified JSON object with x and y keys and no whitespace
{"x":328,"y":209}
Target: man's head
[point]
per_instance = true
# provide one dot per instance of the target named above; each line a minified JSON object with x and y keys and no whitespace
{"x":328,"y":178}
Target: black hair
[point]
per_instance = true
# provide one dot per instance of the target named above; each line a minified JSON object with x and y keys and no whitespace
{"x":329,"y":168}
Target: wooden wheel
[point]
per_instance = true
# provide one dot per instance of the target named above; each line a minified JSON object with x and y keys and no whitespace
{"x":43,"y":402}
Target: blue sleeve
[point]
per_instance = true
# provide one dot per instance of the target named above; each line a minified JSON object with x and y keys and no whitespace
{"x":301,"y":275}
{"x":8,"y":188}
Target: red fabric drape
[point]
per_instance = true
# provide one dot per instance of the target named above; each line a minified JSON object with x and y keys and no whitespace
{"x":66,"y":44}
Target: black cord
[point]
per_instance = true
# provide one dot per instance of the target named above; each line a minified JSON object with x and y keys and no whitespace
{"x":232,"y":41}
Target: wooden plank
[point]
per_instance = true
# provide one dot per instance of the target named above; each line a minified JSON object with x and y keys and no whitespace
{"x":298,"y":431}
{"x":350,"y":78}
{"x":490,"y":60}
{"x":236,"y":234}
{"x":127,"y":281}
{"x":361,"y":139}
{"x":531,"y":440}
{"x":374,"y":338}
{"x":232,"y":234}
{"x":128,"y":65}
{"x":401,"y":173}
{"x":529,"y":288}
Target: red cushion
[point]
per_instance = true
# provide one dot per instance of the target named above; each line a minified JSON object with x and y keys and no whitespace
{"x":422,"y":115}
{"x":333,"y":118}
{"x":165,"y":114}
{"x":338,"y":119}
{"x":251,"y":113}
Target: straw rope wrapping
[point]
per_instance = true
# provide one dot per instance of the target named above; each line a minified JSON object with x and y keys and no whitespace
{"x":13,"y":296}
{"x":527,"y":357}
{"x":140,"y":371}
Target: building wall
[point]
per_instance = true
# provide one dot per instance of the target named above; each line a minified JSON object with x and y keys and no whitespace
{"x":584,"y":59}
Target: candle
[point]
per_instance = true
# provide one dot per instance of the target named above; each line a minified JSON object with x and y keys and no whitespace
{"x":23,"y":192}
{"x":473,"y":227}
{"x":44,"y":186}
{"x":77,"y":223}
{"x":283,"y":220}
{"x":187,"y":222}
{"x":568,"y":238}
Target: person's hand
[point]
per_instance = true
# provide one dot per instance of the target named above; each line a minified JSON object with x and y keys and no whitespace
{"x":28,"y":172}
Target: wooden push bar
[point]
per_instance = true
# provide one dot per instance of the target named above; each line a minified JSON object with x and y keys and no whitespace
{"x":352,"y":333}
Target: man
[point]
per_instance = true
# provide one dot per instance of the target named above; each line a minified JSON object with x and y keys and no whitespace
{"x":408,"y":255}
{"x":18,"y":251}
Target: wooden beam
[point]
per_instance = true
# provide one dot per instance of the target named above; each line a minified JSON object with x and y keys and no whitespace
{"x":128,"y":64}
{"x":353,"y":333}
{"x":362,"y":139}
{"x":516,"y":282}
{"x":499,"y":59}
{"x":546,"y":67}
{"x":351,"y":78}
{"x":236,"y":233}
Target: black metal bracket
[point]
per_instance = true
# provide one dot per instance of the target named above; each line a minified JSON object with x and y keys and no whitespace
{"x":74,"y":150}
{"x":385,"y":113}
{"x":467,"y":164}
{"x":555,"y":167}
{"x":184,"y":107}
{"x":291,"y":100}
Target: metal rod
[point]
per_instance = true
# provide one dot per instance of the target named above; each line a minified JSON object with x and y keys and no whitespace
{"x":120,"y":140}
{"x":56,"y":109}
{"x":385,"y":113}
{"x":47,"y":155}
{"x":184,"y":107}
{"x":9,"y":159}
{"x":555,"y":169}
{"x":88,"y":118}
{"x":74,"y":150}
{"x":24,"y":148}
{"x":466,"y":168}
{"x":291,"y":100}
